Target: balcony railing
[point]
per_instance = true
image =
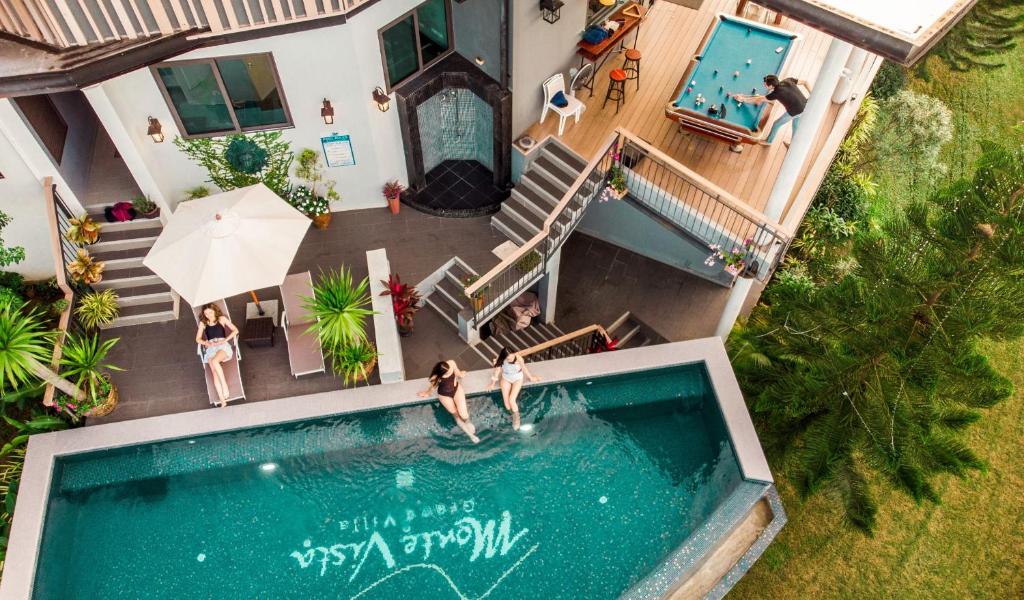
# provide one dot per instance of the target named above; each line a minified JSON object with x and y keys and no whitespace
{"x":67,"y":23}
{"x":57,"y":214}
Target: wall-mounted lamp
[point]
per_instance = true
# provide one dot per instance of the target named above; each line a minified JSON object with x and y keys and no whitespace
{"x":327,"y":112}
{"x":551,"y":10}
{"x":383,"y":100}
{"x":155,"y":131}
{"x":479,"y":61}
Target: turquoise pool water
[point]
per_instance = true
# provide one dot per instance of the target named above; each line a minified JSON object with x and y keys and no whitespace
{"x":613,"y":475}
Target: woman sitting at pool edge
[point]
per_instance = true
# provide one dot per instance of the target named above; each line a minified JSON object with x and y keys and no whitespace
{"x":215,"y":334}
{"x":445,"y":377}
{"x":511,"y":368}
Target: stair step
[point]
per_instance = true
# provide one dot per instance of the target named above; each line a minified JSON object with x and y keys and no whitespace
{"x":535,"y":195}
{"x":127,"y":282}
{"x":144,"y":299}
{"x":118,"y":245}
{"x":455,"y":293}
{"x":512,"y":228}
{"x":624,"y":340}
{"x":618,"y":323}
{"x":118,"y":264}
{"x":526,"y":212}
{"x":459,"y":273}
{"x":544,"y":186}
{"x":135,"y":225}
{"x":143,"y":319}
{"x":555,"y":172}
{"x":567,"y":156}
{"x":444,"y":306}
{"x":123,"y":294}
{"x":159,"y":306}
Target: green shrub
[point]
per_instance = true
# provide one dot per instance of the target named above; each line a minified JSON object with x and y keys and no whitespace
{"x":891,"y":78}
{"x":912,"y":128}
{"x":842,"y":194}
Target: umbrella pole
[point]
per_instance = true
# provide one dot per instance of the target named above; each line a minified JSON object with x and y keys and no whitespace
{"x":256,"y":301}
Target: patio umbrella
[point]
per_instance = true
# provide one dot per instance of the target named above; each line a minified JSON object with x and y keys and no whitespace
{"x":227,"y":244}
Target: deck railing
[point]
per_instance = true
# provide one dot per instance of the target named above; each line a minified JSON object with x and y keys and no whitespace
{"x":587,"y":340}
{"x":512,"y":276}
{"x":699,"y":209}
{"x":67,"y":23}
{"x":57,"y":215}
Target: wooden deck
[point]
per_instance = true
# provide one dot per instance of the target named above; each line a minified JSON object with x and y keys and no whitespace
{"x":668,"y":38}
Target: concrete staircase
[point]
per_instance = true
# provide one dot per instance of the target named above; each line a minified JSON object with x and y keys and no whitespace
{"x":142,"y":296}
{"x":448,"y":297}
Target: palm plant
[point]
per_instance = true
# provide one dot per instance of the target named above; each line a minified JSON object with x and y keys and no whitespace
{"x":353,"y":362}
{"x":339,"y":307}
{"x":83,"y":230}
{"x":86,"y":269}
{"x":97,"y":308}
{"x":26,"y":347}
{"x":84,"y":362}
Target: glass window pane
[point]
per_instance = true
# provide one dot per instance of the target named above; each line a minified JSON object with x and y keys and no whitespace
{"x":196,"y":97}
{"x":252,"y":89}
{"x":400,"y":50}
{"x":433,"y":29}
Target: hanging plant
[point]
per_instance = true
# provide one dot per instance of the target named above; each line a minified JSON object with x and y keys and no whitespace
{"x":212,"y":155}
{"x":245,"y":155}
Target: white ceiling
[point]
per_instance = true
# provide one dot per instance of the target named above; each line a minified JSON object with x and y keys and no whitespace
{"x":908,"y":17}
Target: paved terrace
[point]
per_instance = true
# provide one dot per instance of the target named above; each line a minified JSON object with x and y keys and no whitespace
{"x":163,"y":374}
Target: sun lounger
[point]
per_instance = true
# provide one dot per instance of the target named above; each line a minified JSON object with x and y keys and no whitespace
{"x":230,"y":367}
{"x":305,"y":355}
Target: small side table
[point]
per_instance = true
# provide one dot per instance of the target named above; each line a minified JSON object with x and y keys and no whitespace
{"x":259,"y":332}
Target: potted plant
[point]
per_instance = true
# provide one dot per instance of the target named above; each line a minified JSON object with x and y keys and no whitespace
{"x":477,"y":298}
{"x":405,"y":300}
{"x":393,"y":193}
{"x":194,"y":193}
{"x":85,"y":269}
{"x":84,"y":363}
{"x":145,"y":207}
{"x":528,"y":262}
{"x":96,"y":309}
{"x":309,"y":168}
{"x":317,"y":208}
{"x":339,"y":309}
{"x":83,"y":230}
{"x":736,"y":260}
{"x":354,"y":362}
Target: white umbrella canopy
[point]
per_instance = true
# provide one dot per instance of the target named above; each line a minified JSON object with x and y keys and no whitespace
{"x":227,"y":244}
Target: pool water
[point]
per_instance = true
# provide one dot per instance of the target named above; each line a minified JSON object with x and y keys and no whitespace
{"x":727,"y":50}
{"x":606,"y":479}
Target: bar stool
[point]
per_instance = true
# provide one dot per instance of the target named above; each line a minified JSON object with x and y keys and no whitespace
{"x":616,"y":89}
{"x":632,"y":65}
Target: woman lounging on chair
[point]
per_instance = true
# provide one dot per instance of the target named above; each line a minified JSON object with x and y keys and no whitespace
{"x":214,"y":335}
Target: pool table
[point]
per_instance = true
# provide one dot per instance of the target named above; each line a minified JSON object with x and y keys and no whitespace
{"x":733,"y":58}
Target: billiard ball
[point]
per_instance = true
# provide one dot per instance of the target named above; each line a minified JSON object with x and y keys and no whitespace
{"x":778,"y":50}
{"x":735,"y":74}
{"x":749,"y":61}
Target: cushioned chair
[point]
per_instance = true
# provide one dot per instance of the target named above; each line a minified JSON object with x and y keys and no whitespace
{"x":574,"y":108}
{"x":305,"y":355}
{"x":232,"y":374}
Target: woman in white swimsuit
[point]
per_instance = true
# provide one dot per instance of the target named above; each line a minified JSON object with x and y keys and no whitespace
{"x":511,"y":368}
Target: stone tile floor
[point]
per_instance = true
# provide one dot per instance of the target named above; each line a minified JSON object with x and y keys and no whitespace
{"x":458,"y":188}
{"x":599,"y":281}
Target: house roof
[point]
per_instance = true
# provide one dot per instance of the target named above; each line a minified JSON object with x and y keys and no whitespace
{"x":899,"y":30}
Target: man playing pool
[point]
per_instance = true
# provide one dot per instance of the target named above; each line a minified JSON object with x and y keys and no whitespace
{"x":787,"y":92}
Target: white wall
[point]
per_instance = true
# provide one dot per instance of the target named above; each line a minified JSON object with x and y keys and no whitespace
{"x":21,"y":197}
{"x":539,"y":50}
{"x":340,"y":63}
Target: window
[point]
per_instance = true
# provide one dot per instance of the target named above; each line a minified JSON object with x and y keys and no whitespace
{"x":223,"y":95}
{"x":416,"y":40}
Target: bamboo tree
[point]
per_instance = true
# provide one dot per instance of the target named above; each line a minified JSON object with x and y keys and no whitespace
{"x":880,"y":372}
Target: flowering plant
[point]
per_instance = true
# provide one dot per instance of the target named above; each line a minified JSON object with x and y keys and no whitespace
{"x":735,"y":259}
{"x":405,"y":300}
{"x":311,"y":205}
{"x":616,"y":178}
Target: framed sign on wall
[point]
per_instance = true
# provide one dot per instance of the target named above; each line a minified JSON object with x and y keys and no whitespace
{"x":338,"y":150}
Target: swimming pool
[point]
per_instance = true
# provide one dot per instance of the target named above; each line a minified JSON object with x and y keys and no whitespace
{"x":613,"y":475}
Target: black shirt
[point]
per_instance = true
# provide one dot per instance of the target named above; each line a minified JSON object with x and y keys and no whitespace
{"x":789,"y":94}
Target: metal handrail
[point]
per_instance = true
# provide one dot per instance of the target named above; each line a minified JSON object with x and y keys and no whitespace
{"x":55,"y":211}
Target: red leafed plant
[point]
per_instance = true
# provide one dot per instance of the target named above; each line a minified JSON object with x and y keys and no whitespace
{"x":405,"y":302}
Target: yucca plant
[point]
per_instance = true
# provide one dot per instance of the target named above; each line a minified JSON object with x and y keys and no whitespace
{"x":84,"y":362}
{"x":97,"y":308}
{"x":83,"y":230}
{"x":354,"y":362}
{"x":339,"y":306}
{"x":86,"y":269}
{"x":26,"y":347}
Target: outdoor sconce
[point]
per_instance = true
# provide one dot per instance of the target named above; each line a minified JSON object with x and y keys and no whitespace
{"x":551,"y":10}
{"x":327,"y":112}
{"x":155,"y":131}
{"x":383,"y":100}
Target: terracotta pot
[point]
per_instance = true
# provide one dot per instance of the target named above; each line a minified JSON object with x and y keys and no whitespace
{"x":322,"y":221}
{"x":404,"y":330}
{"x":369,"y":369}
{"x":107,"y":406}
{"x":395,"y":204}
{"x":153,"y":214}
{"x":478,"y":303}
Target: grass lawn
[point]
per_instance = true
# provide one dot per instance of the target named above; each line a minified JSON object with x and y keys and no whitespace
{"x":971,"y":545}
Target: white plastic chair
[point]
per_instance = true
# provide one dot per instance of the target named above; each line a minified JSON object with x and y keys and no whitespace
{"x":553,"y":85}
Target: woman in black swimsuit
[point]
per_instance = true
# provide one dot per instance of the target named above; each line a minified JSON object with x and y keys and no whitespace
{"x":445,"y":377}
